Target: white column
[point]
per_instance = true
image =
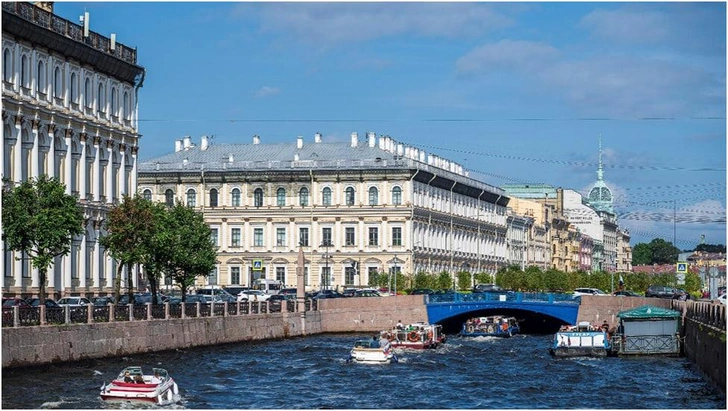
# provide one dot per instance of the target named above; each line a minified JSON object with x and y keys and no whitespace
{"x":66,"y":282}
{"x":82,"y":179}
{"x":133,"y":189}
{"x":110,"y":272}
{"x":109,"y":173}
{"x":95,"y":266}
{"x":121,"y":177}
{"x":18,"y":268}
{"x":82,"y":261}
{"x":17,"y":165}
{"x":52,"y":151}
{"x":34,"y":151}
{"x":67,"y":162}
{"x":97,"y":170}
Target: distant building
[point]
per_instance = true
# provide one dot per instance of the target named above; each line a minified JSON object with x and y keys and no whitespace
{"x":624,"y":251}
{"x":69,"y":111}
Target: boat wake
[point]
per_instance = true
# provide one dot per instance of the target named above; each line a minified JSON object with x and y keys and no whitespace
{"x":60,"y":403}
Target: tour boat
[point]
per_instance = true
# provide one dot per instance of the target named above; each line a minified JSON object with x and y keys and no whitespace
{"x":157,"y":388}
{"x":494,"y":326}
{"x":370,"y":352}
{"x":418,"y":336}
{"x":583,"y":340}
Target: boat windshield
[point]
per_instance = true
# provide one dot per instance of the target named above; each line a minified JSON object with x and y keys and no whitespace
{"x":132,"y":370}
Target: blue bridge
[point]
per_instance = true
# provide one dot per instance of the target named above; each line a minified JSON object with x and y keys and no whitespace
{"x":454,"y":308}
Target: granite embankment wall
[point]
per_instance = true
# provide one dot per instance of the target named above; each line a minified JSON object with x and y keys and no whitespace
{"x":596,"y":309}
{"x":25,"y":346}
{"x":370,"y":314}
{"x":705,"y":340}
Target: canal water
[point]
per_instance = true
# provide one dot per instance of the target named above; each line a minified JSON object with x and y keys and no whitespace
{"x":312,"y":372}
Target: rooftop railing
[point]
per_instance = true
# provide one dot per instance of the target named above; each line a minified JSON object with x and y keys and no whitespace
{"x":59,"y":25}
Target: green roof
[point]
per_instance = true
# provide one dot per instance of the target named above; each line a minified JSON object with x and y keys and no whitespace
{"x":648,"y":311}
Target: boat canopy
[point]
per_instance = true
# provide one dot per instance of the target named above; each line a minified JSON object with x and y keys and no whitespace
{"x":647,"y":312}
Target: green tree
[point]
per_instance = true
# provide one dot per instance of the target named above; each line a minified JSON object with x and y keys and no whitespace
{"x":663,"y":252}
{"x":40,"y":220}
{"x":711,"y":248}
{"x":183,"y":246}
{"x":424,"y":280}
{"x":444,"y":281}
{"x":464,"y":280}
{"x":641,"y":254}
{"x":130,"y":227}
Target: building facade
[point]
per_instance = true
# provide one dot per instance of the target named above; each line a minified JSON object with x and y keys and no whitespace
{"x":70,"y":112}
{"x":538,"y":241}
{"x":370,"y":205}
{"x":624,"y":251}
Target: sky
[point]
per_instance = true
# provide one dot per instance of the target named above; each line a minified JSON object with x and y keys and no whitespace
{"x":517,"y":93}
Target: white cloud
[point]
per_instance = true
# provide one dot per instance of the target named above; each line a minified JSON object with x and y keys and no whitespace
{"x":266,"y":91}
{"x":507,"y":55}
{"x":627,"y":25}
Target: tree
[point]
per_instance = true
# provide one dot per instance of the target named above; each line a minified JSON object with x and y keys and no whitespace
{"x":444,"y":281}
{"x":663,"y":252}
{"x":464,"y":280}
{"x":183,"y":246}
{"x":711,"y":248}
{"x":641,"y":254}
{"x":130,"y":227}
{"x":40,"y":220}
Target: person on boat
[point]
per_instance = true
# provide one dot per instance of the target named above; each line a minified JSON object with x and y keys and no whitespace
{"x":384,"y":343}
{"x":139,"y":379}
{"x":127,"y":377}
{"x":156,"y":379}
{"x":399,"y":325}
{"x":605,"y":326}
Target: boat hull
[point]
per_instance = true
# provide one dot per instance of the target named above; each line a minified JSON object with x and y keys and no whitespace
{"x":580,"y":344}
{"x":131,"y":392}
{"x":371,"y":356}
{"x":578,"y":352}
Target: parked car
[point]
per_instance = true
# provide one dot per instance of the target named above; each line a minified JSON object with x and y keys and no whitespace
{"x":588,"y":291}
{"x":253,"y":295}
{"x":422,"y":291}
{"x":276,"y":301}
{"x":367,"y":293}
{"x":349,"y":292}
{"x":626,"y":293}
{"x":234,"y":290}
{"x":49,"y":303}
{"x":485,"y":288}
{"x":102,"y":301}
{"x":327,"y":294}
{"x":681,"y":294}
{"x":74,"y":302}
{"x":660,"y":291}
{"x":15,"y":301}
{"x":289,"y":291}
{"x":195,"y":298}
{"x":140,"y":298}
{"x":721,"y":299}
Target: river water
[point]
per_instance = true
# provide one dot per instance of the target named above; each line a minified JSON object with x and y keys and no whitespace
{"x":312,"y":372}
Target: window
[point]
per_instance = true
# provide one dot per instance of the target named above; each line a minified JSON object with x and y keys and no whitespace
{"x":373,"y":235}
{"x":349,"y":236}
{"x":326,"y":197}
{"x":281,"y":197}
{"x":7,"y":66}
{"x":305,"y":276}
{"x":280,"y":237}
{"x":303,"y":236}
{"x":191,"y":198}
{"x":281,"y":274}
{"x":147,"y":194}
{"x":326,"y":236}
{"x":24,"y":72}
{"x":326,"y":277}
{"x":303,"y":197}
{"x":234,"y":275}
{"x":258,"y":197}
{"x":212,"y":278}
{"x":372,"y":271}
{"x":349,"y":274}
{"x":126,"y":107}
{"x":373,"y":196}
{"x":349,"y":195}
{"x":396,"y":235}
{"x":236,"y":197}
{"x":101,"y":99}
{"x":41,"y":77}
{"x":88,"y":93}
{"x":397,"y":196}
{"x":57,"y":83}
{"x":114,"y":105}
{"x":258,"y":237}
{"x":213,"y":197}
{"x":169,"y":198}
{"x":74,"y":88}
{"x":214,"y":236}
{"x":235,"y":237}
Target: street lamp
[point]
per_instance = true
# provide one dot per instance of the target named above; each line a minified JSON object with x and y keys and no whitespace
{"x":395,"y":274}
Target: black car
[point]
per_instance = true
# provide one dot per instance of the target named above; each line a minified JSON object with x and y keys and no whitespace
{"x":104,"y":301}
{"x":422,"y":291}
{"x":487,"y":288}
{"x":276,"y":301}
{"x":626,"y":293}
{"x":660,"y":291}
{"x":35,"y":302}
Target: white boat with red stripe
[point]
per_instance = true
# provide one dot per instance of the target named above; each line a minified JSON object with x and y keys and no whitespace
{"x":132,"y":385}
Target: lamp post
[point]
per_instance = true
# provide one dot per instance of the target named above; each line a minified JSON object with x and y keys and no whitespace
{"x":395,"y":274}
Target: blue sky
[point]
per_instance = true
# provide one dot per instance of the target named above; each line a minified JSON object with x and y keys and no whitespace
{"x":516,"y":92}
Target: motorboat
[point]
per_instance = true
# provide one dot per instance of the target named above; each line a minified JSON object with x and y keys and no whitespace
{"x":493,"y":326}
{"x":132,"y":385}
{"x":418,"y":335}
{"x":582,"y":340}
{"x":371,"y":352}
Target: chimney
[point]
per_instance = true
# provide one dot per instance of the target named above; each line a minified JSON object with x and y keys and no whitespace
{"x":204,"y":143}
{"x":187,"y":142}
{"x":317,"y":138}
{"x":372,"y":137}
{"x":230,"y":158}
{"x":256,"y":139}
{"x":354,"y":139}
{"x":177,"y":145}
{"x":299,"y":142}
{"x":400,"y":149}
{"x":45,"y":5}
{"x":295,"y":157}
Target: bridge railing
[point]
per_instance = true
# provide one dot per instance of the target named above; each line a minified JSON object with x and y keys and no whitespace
{"x":510,"y":296}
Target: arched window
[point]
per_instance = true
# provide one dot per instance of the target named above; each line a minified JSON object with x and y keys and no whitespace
{"x":41,"y":77}
{"x":147,"y":194}
{"x":258,"y":197}
{"x":373,"y":196}
{"x":326,"y":196}
{"x":213,"y":198}
{"x":114,"y":105}
{"x":236,"y":197}
{"x":101,"y":98}
{"x":88,"y":93}
{"x":7,"y":66}
{"x":74,"y":88}
{"x":24,"y":72}
{"x":125,"y":106}
{"x":57,"y":83}
{"x":397,"y":196}
{"x":350,"y":196}
{"x":169,"y":198}
{"x":303,"y":197}
{"x":281,"y":197}
{"x":191,"y":198}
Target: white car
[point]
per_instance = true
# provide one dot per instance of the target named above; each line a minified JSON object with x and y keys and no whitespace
{"x":253,"y":295}
{"x":721,"y":299}
{"x":74,"y":301}
{"x":578,"y":292}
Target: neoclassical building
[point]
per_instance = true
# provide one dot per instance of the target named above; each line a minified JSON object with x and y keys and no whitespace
{"x":69,"y":111}
{"x":369,"y":205}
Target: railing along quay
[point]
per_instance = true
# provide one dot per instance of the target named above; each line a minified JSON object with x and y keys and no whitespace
{"x":35,"y":316}
{"x":704,"y":312}
{"x":511,"y":296}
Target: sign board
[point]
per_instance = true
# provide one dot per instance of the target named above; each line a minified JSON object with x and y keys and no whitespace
{"x":680,"y":279}
{"x":257,"y":265}
{"x":682,"y":268}
{"x":714,"y":273}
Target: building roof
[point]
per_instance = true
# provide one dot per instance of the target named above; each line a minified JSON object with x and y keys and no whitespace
{"x":647,"y":312}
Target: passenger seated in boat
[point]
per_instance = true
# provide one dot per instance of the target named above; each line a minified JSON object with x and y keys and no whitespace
{"x":156,"y":379}
{"x":127,"y":377}
{"x":400,"y":326}
{"x":139,"y":379}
